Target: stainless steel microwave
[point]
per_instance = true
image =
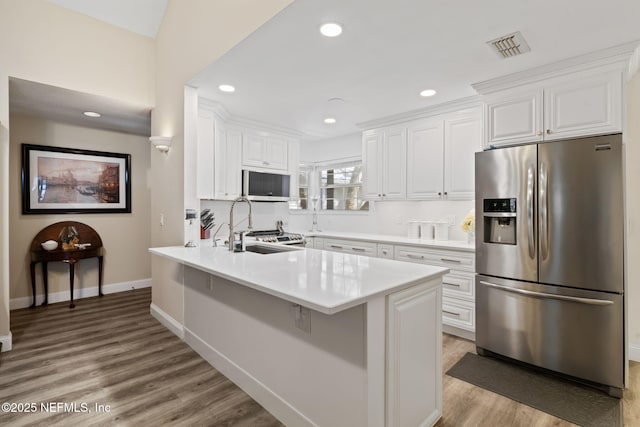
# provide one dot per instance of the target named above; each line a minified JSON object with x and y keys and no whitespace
{"x":268,"y":187}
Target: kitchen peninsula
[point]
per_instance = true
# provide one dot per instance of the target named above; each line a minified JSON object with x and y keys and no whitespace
{"x":317,"y":337}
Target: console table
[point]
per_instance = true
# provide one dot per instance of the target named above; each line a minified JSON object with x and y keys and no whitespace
{"x":71,"y":257}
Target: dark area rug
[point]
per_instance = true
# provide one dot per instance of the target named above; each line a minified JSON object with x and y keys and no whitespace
{"x":561,"y":398}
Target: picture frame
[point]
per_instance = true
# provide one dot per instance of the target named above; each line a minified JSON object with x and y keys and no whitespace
{"x":57,"y":180}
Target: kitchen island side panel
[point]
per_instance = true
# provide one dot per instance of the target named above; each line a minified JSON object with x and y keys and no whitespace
{"x":309,"y":378}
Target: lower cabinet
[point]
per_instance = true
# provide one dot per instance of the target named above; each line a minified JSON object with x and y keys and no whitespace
{"x":458,"y":287}
{"x":458,"y":290}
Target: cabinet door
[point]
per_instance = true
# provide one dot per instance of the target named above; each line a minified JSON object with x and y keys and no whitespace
{"x":372,"y":165}
{"x":253,"y":149}
{"x":205,"y":158}
{"x":220,"y":162}
{"x":294,"y":166}
{"x":425,"y":150}
{"x":233,"y":172}
{"x":584,"y":106}
{"x":276,"y":153}
{"x":462,"y":139}
{"x":394,"y":164}
{"x":514,"y":119}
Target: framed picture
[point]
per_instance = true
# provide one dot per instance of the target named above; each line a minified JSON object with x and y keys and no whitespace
{"x":67,"y":180}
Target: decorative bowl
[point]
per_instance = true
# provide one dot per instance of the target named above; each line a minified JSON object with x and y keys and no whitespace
{"x":49,"y":245}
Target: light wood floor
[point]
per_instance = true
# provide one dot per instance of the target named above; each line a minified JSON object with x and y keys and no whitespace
{"x":111,"y":351}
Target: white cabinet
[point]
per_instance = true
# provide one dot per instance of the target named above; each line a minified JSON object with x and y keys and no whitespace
{"x":294,"y":166}
{"x":441,"y":157}
{"x":264,"y":152}
{"x":458,"y":296}
{"x":384,"y":159}
{"x":586,"y":103}
{"x":425,"y":151}
{"x":218,"y":159}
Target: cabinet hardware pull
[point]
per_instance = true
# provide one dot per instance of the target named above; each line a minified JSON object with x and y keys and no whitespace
{"x":457,"y":285}
{"x":415,"y":256}
{"x":451,"y":312}
{"x":590,"y":301}
{"x":445,"y":193}
{"x":439,"y":193}
{"x":384,"y":195}
{"x":457,"y":261}
{"x":336,"y":246}
{"x":538,"y":133}
{"x":379,"y":195}
{"x":548,"y":131}
{"x":359,"y":249}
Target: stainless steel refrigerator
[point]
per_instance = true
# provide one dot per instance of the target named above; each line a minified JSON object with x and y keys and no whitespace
{"x":549,"y":257}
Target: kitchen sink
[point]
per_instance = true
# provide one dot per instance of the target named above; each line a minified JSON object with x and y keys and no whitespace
{"x":261,"y":249}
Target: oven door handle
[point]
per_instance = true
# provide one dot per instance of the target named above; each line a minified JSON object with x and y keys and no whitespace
{"x":589,"y":301}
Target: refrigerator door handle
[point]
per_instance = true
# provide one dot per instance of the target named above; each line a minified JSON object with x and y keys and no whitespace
{"x":530,"y":220}
{"x":544,"y":211}
{"x":589,"y":301}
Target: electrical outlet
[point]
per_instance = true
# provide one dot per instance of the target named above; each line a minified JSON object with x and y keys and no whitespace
{"x":301,"y":317}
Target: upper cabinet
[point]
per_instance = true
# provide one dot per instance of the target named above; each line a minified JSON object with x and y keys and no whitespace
{"x":218,"y":160}
{"x":265,"y":152}
{"x":586,"y":103}
{"x":429,"y":159}
{"x":385,"y":157}
{"x":441,"y":156}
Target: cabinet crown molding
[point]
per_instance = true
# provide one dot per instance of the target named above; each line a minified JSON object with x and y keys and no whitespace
{"x":446,"y":107}
{"x":634,"y":63}
{"x":614,"y":56}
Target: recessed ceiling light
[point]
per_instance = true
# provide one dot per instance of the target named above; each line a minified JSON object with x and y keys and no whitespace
{"x":428,"y":92}
{"x":329,"y":120}
{"x":331,"y":29}
{"x":92,"y":114}
{"x":227,"y":88}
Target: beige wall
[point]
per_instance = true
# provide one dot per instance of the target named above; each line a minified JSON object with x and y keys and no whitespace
{"x":42,"y":42}
{"x":194,"y":33}
{"x":633,"y":210}
{"x":126,"y":237}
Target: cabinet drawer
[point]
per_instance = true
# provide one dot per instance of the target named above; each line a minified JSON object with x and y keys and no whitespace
{"x":385,"y":251}
{"x":459,"y":285}
{"x":350,"y":246}
{"x":458,"y":313}
{"x":460,"y":261}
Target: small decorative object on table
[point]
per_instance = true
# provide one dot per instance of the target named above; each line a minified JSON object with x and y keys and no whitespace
{"x":69,"y":238}
{"x":469,"y":226}
{"x":49,"y":245}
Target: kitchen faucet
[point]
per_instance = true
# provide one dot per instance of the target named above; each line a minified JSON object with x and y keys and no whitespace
{"x":250,"y":226}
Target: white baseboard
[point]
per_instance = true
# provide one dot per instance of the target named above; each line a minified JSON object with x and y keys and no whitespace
{"x":6,"y":341}
{"x":462,"y":333}
{"x":634,"y":352}
{"x":167,"y":321}
{"x":280,"y":408}
{"x":79,"y":293}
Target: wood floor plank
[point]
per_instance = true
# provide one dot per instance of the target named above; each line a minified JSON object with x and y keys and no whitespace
{"x":111,"y":351}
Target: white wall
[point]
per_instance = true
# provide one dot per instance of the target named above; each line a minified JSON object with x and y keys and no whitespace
{"x":46,"y":43}
{"x":330,"y":149}
{"x":193,"y":34}
{"x":633,"y":214}
{"x":125,"y":237}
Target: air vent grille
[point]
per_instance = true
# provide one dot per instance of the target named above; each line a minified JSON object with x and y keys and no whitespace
{"x":510,"y":45}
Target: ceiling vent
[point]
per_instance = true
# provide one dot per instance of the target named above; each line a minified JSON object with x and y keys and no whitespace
{"x":510,"y":45}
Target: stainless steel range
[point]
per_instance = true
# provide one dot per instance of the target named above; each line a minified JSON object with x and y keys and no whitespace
{"x":276,"y":236}
{"x":549,"y":257}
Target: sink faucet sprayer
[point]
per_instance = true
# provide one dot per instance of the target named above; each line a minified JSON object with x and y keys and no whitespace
{"x":231,"y":233}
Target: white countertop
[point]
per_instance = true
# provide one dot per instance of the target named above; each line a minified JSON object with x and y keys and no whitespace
{"x":325,"y":281}
{"x":395,"y":240}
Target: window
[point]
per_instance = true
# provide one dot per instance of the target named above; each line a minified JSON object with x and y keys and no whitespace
{"x":341,"y":188}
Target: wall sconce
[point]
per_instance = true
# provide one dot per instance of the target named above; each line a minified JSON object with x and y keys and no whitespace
{"x":162,"y":143}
